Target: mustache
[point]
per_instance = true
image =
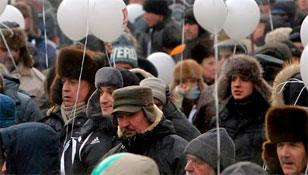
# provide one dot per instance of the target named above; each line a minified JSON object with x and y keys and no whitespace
{"x":128,"y":128}
{"x":287,"y":160}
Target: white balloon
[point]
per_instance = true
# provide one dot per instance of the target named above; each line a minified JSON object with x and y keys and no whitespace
{"x":242,"y":19}
{"x":72,"y":18}
{"x":107,"y":19}
{"x":304,"y":32}
{"x":3,"y":4}
{"x":12,"y":14}
{"x":164,"y":65}
{"x":210,"y":14}
{"x":134,"y":11}
{"x":304,"y":66}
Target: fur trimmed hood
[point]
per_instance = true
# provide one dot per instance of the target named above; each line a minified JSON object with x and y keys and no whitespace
{"x":17,"y":40}
{"x":283,"y":124}
{"x":68,"y":65}
{"x":291,"y":90}
{"x":190,"y":69}
{"x":245,"y":66}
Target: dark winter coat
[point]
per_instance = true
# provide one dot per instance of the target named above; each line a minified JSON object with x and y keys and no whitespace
{"x":159,"y":143}
{"x":31,"y":148}
{"x":245,"y":125}
{"x":154,"y":35}
{"x":68,"y":138}
{"x":26,"y":108}
{"x":206,"y":109}
{"x":98,"y":136}
{"x":182,"y":126}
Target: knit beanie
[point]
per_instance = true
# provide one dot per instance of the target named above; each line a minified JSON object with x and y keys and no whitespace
{"x":244,"y":168}
{"x":126,"y":164}
{"x":129,"y":78}
{"x":159,"y":7}
{"x":205,"y":148}
{"x":123,"y":51}
{"x":158,"y":88}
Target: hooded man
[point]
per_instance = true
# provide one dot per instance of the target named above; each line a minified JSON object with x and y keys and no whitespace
{"x":65,"y":116}
{"x":98,"y":133}
{"x":29,"y":148}
{"x":31,"y":79}
{"x":285,"y":151}
{"x":144,"y":130}
{"x":244,"y":97}
{"x":201,"y":153}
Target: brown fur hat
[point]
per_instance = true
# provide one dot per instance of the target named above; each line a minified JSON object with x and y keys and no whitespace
{"x":245,"y":66}
{"x":190,"y":69}
{"x":68,"y":65}
{"x":283,"y":124}
{"x":17,"y":40}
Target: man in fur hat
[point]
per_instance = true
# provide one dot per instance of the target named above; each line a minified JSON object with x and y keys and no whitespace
{"x":144,"y":130}
{"x":67,"y":114}
{"x":244,"y":97}
{"x":285,"y":151}
{"x":31,"y":79}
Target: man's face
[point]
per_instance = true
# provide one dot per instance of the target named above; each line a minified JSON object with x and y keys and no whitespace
{"x":153,"y":18}
{"x":106,"y":100}
{"x":132,"y":123}
{"x":124,"y":66}
{"x":69,"y":91}
{"x":292,"y":157}
{"x":191,"y":31}
{"x":6,"y":60}
{"x":241,"y":87}
{"x":209,"y":68}
{"x":196,"y":166}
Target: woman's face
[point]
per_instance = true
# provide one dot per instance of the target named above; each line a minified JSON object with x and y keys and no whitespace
{"x":209,"y":68}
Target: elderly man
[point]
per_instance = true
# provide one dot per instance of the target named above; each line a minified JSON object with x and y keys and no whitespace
{"x":144,"y":130}
{"x":285,"y":151}
{"x":201,"y":153}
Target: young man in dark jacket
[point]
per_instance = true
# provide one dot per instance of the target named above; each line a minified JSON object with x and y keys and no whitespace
{"x":244,"y":96}
{"x":144,"y":130}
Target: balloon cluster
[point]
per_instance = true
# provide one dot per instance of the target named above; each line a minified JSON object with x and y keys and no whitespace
{"x":11,"y":14}
{"x":106,"y":19}
{"x":238,"y":18}
{"x":304,"y":56}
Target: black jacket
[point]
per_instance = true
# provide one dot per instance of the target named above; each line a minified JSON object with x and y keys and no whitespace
{"x":182,"y":126}
{"x":98,"y":136}
{"x":26,"y":108}
{"x":245,"y":125}
{"x":161,"y":144}
{"x":68,"y":138}
{"x":31,"y":148}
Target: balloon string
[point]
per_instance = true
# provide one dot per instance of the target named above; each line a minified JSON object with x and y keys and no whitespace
{"x":216,"y":104}
{"x":45,"y":34}
{"x":283,"y":84}
{"x":182,"y":43}
{"x":9,"y":50}
{"x":80,"y":75}
{"x":107,"y":55}
{"x":234,"y":50}
{"x":270,"y":15}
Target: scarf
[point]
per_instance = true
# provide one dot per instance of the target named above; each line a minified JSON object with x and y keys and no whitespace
{"x":67,"y":112}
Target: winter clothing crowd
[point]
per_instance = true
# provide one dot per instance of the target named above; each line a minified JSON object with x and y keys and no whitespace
{"x":92,"y":107}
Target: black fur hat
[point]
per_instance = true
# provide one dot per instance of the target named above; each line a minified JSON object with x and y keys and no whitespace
{"x":68,"y":65}
{"x":160,"y":7}
{"x":283,"y":124}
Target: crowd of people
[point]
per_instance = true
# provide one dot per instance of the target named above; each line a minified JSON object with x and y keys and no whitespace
{"x":92,"y":107}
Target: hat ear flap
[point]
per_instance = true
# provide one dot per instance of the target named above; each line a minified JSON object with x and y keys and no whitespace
{"x":56,"y":91}
{"x":269,"y":155}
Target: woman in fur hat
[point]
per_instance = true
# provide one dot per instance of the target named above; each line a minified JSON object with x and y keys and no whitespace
{"x":244,"y":98}
{"x":186,"y":86}
{"x":64,"y":116}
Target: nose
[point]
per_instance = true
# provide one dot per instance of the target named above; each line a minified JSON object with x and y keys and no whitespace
{"x":189,"y":166}
{"x":123,"y":122}
{"x":103,"y":98}
{"x":237,"y":82}
{"x":285,"y":150}
{"x":65,"y":86}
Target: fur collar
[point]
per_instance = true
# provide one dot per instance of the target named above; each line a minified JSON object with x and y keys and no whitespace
{"x":286,"y":73}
